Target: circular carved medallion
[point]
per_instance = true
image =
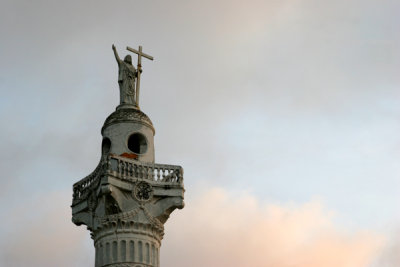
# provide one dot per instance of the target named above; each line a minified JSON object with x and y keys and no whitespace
{"x":143,"y":191}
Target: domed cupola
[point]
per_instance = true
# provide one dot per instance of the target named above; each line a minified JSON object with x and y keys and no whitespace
{"x":129,"y":132}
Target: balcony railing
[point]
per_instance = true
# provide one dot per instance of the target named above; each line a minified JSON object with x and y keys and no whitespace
{"x":82,"y":188}
{"x":126,"y":169}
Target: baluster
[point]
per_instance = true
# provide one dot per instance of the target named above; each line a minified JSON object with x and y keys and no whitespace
{"x":130,"y":170}
{"x":135,"y":174}
{"x":152,"y":173}
{"x":123,"y":169}
{"x":119,"y":166}
{"x":158,"y":173}
{"x":173,"y":175}
{"x":149,"y":176}
{"x":146,"y":172}
{"x":127,"y":170}
{"x":167,"y":177}
{"x":180,"y":175}
{"x":170,"y":175}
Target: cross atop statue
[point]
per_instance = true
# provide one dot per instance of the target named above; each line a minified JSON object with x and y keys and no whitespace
{"x":139,"y":65}
{"x":127,"y":75}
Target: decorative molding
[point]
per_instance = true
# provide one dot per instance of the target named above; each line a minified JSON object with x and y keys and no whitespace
{"x":128,"y":115}
{"x":124,"y":216}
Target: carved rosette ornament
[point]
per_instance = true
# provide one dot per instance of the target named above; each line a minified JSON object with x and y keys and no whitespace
{"x":143,"y":191}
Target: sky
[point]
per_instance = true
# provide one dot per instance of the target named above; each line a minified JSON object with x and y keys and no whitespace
{"x":284,"y":115}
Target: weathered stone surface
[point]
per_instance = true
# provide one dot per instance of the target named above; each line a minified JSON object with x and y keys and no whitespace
{"x":127,"y":199}
{"x":128,"y":202}
{"x":129,"y":114}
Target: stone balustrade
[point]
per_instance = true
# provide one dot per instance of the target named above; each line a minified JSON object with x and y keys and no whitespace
{"x":127,"y":169}
{"x":82,"y":188}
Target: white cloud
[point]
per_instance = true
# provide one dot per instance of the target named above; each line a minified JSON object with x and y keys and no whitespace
{"x":216,"y":228}
{"x":222,"y":229}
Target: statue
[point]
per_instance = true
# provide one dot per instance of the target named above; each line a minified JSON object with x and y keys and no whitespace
{"x":127,"y":75}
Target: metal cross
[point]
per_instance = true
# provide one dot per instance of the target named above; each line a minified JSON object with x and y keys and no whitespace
{"x":139,"y":66}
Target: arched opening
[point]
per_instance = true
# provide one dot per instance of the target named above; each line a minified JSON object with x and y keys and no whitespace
{"x":105,"y":146}
{"x":137,"y":143}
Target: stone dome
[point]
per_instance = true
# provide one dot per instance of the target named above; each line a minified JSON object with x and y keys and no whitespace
{"x":128,"y":115}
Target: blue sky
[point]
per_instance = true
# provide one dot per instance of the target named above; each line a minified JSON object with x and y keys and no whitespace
{"x":286,"y":103}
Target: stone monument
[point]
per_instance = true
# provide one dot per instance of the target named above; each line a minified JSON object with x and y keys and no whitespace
{"x":127,"y":199}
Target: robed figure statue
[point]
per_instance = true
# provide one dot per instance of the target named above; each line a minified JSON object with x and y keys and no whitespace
{"x":127,"y":75}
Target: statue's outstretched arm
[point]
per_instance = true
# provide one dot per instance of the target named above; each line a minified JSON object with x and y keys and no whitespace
{"x":116,"y":54}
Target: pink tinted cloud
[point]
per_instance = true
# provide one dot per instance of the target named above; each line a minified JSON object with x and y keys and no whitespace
{"x":390,"y":256}
{"x":219,"y":229}
{"x":215,"y":229}
{"x":41,"y":234}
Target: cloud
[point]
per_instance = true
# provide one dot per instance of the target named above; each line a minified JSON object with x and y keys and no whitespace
{"x":390,"y":256}
{"x":216,"y":228}
{"x":221,"y":229}
{"x":40,"y":233}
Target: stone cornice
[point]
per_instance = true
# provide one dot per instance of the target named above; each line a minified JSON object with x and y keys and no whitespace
{"x":128,"y":115}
